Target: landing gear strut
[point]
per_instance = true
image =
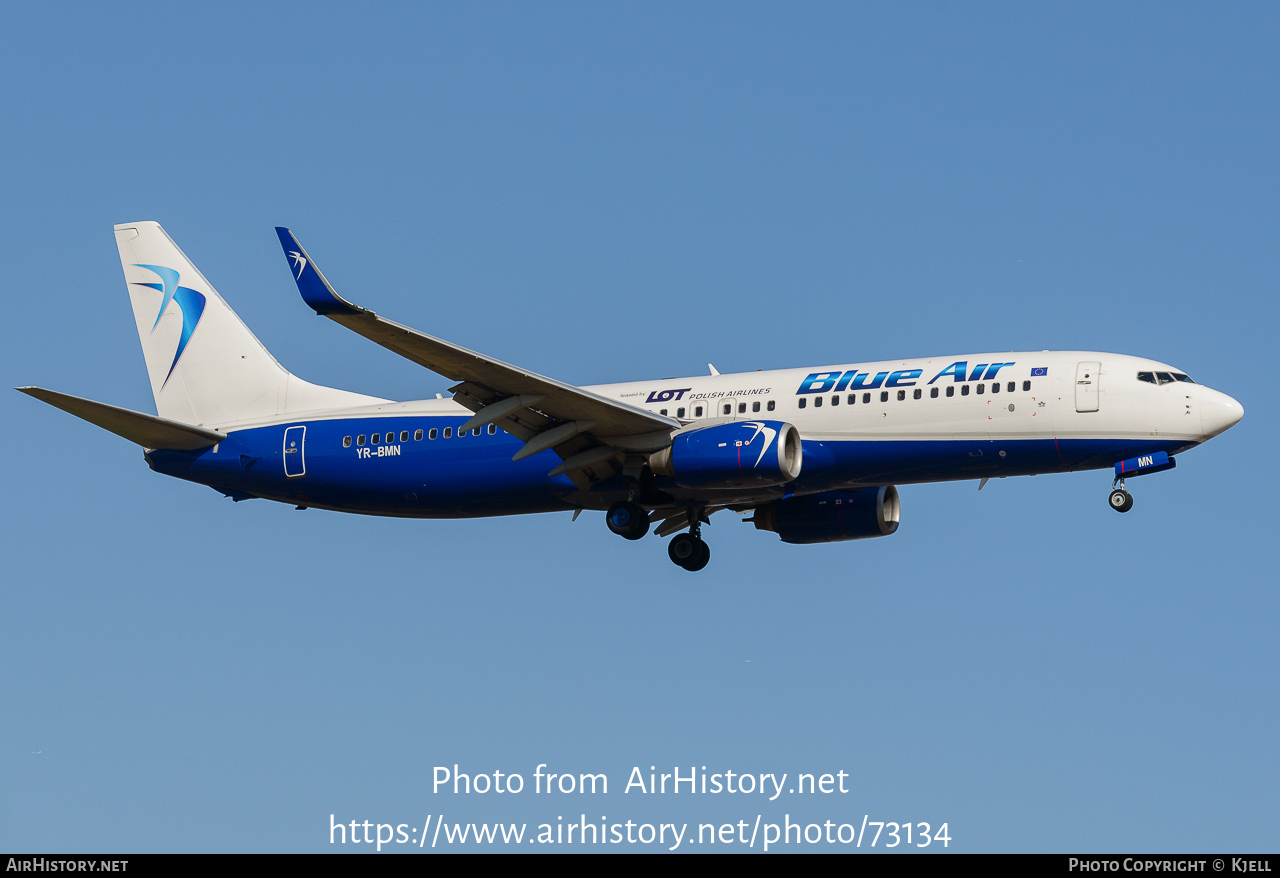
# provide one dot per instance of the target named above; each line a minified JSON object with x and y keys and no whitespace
{"x":628,"y":520}
{"x":688,"y":550}
{"x":1120,"y":499}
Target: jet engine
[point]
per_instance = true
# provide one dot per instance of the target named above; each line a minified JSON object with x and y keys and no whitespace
{"x":741,"y":454}
{"x":832,"y":516}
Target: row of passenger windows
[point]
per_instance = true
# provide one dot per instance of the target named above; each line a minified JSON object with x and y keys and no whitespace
{"x":433,"y":433}
{"x":770,"y":405}
{"x":727,"y":409}
{"x":1164,"y":377}
{"x":918,"y":393}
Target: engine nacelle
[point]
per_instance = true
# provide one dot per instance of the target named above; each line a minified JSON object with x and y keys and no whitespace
{"x":740,"y":454}
{"x":832,"y":516}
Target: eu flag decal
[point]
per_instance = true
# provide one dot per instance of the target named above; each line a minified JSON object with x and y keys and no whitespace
{"x":1039,"y":370}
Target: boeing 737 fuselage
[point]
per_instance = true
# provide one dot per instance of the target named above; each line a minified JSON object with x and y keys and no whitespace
{"x":814,"y":454}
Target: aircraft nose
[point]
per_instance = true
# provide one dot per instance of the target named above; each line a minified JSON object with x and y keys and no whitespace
{"x":1218,"y":412}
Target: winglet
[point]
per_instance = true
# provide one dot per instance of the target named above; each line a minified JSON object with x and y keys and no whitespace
{"x":316,"y":290}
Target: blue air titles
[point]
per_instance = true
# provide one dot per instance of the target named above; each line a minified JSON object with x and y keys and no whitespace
{"x":958,"y":369}
{"x":837,"y":382}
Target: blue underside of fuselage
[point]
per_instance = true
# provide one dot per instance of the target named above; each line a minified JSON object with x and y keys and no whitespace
{"x":473,"y":476}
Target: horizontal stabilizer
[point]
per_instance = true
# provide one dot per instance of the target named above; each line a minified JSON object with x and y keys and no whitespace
{"x":146,"y":430}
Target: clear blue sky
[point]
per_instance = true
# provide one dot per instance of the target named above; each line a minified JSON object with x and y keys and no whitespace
{"x":609,"y":192}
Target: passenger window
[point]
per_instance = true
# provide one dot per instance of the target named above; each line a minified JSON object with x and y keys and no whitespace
{"x":448,"y":432}
{"x":916,"y":394}
{"x":360,"y":439}
{"x":662,"y":411}
{"x":835,"y":400}
{"x":475,"y":431}
{"x":981,"y":388}
{"x":493,"y":429}
{"x":404,"y":435}
{"x":902,"y":394}
{"x":728,"y":408}
{"x":995,"y":387}
{"x":964,"y":389}
{"x":755,"y":406}
{"x":1013,"y":385}
{"x":680,"y":413}
{"x":951,"y":390}
{"x":346,"y":441}
{"x":866,"y":398}
{"x":1026,"y":385}
{"x":802,"y":403}
{"x":770,"y":406}
{"x":933,"y":393}
{"x":375,"y":439}
{"x":742,"y":407}
{"x":1148,"y":377}
{"x":1165,"y":377}
{"x":853,"y":397}
{"x":697,"y":411}
{"x":817,"y":402}
{"x":884,"y":396}
{"x":433,"y":434}
{"x":417,"y":435}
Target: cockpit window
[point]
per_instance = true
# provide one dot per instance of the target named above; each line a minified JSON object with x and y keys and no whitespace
{"x":1178,"y":376}
{"x":1165,"y":377}
{"x":1149,"y":377}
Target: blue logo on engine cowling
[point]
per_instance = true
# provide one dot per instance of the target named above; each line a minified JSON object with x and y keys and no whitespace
{"x":734,"y":455}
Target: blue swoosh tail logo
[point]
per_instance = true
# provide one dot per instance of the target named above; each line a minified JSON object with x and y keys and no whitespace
{"x":190,"y":302}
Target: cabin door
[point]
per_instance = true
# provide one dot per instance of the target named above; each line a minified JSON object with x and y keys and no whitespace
{"x":1087,"y":384}
{"x":295,"y":464}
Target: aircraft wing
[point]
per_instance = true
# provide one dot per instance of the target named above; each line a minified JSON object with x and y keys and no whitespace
{"x":146,"y":430}
{"x":545,"y":413}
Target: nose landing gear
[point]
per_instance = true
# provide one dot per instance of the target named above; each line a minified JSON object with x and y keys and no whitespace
{"x":1120,"y":499}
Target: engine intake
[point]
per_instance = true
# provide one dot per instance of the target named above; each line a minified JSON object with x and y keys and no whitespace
{"x":832,"y":516}
{"x":741,"y":454}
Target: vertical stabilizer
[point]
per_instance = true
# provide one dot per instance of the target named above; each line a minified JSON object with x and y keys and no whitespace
{"x":205,"y":366}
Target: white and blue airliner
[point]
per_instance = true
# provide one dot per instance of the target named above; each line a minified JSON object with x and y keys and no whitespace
{"x":813,"y":454}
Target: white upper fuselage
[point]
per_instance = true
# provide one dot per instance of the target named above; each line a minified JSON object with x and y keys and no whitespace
{"x":1050,"y":406}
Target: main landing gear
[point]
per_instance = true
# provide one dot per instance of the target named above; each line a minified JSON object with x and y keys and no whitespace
{"x":688,"y":550}
{"x":628,"y":520}
{"x":1120,"y":499}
